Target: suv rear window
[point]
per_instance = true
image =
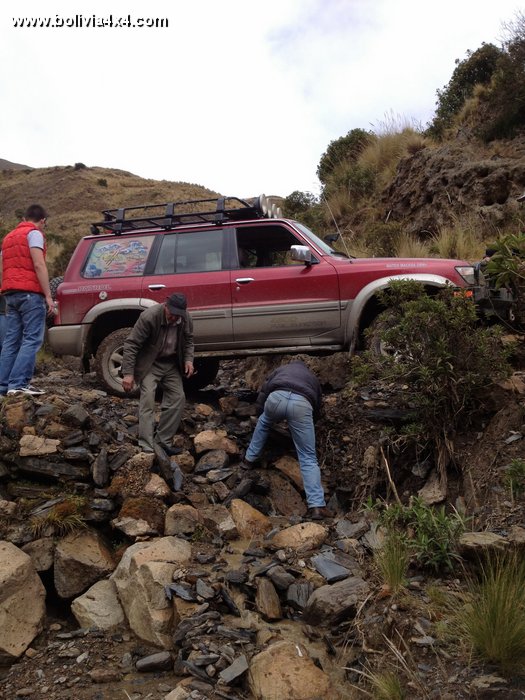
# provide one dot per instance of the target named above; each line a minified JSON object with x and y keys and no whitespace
{"x":194,"y":251}
{"x":118,"y":257}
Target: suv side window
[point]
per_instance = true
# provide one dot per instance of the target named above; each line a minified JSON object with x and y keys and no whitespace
{"x":265,"y":246}
{"x":191,"y":251}
{"x":118,"y":257}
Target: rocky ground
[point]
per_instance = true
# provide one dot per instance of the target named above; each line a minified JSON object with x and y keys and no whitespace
{"x":124,"y":575}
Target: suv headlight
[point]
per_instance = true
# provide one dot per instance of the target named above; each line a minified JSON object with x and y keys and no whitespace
{"x":468,"y":273}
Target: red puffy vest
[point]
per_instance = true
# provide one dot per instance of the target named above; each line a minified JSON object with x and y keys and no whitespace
{"x":18,"y":271}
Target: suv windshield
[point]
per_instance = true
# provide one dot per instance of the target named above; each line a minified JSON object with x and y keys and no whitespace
{"x":315,"y":239}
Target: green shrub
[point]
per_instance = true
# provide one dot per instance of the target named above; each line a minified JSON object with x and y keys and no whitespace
{"x":445,"y":360}
{"x":102,"y":182}
{"x":79,"y":166}
{"x":504,"y":102}
{"x":477,"y":68}
{"x":298,"y":202}
{"x":430,"y":533}
{"x":345,"y":148}
{"x":306,"y":208}
{"x":506,"y":268}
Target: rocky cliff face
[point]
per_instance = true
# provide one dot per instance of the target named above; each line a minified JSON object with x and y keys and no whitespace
{"x":458,"y":181}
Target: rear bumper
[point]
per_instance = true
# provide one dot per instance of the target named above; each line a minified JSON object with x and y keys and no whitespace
{"x":67,"y":340}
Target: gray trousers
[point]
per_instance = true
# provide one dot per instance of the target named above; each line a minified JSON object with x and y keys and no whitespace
{"x":163,"y":373}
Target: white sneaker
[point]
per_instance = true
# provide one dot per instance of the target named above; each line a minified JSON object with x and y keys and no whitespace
{"x":27,"y":390}
{"x":35,"y":390}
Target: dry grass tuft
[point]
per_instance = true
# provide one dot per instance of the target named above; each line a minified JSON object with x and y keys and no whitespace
{"x":408,"y":246}
{"x":458,"y":241}
{"x":63,"y":518}
{"x":392,"y":561}
{"x":492,"y":623}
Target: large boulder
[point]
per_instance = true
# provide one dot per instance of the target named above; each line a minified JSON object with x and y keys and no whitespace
{"x":301,"y":537}
{"x":285,"y":670}
{"x":81,"y":559}
{"x":336,"y":602}
{"x":99,"y":607}
{"x":22,"y":602}
{"x":140,"y":578}
{"x":249,"y":522}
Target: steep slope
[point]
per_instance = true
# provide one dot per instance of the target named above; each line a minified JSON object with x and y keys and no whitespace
{"x":460,"y":180}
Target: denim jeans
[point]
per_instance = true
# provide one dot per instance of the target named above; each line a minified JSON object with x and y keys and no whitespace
{"x":2,"y":329}
{"x":297,"y":410}
{"x":25,"y":328}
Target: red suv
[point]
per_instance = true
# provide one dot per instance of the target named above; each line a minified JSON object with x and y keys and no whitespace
{"x":255,"y":283}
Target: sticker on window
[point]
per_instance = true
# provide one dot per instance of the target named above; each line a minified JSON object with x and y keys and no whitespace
{"x":122,"y":258}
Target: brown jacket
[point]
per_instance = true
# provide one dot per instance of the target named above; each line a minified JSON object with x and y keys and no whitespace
{"x":144,"y":343}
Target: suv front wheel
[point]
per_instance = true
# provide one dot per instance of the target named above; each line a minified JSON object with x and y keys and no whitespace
{"x":108,"y":366}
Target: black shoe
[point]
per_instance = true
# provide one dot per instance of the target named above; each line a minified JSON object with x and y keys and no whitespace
{"x":170,"y":450}
{"x":319,"y":513}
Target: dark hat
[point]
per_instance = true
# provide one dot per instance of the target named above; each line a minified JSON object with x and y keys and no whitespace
{"x":177,"y":304}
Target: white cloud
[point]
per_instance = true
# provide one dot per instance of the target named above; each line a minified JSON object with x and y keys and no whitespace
{"x":241,"y":97}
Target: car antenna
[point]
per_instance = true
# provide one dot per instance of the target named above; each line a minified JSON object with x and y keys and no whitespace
{"x":337,"y":227}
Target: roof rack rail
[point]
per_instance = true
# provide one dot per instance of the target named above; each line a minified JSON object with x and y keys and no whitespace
{"x":170,"y":215}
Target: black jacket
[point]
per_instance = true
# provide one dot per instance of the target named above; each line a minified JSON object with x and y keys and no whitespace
{"x":295,"y":377}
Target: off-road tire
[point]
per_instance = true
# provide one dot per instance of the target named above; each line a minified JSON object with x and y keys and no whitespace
{"x":54,"y":283}
{"x":108,"y":362}
{"x":108,"y":366}
{"x":373,"y":335}
{"x":53,"y":286}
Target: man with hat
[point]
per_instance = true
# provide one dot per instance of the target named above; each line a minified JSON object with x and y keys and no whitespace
{"x":158,"y":352}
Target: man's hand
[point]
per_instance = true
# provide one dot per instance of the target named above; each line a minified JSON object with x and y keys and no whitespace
{"x":189,"y":370}
{"x":50,"y":305}
{"x":128,"y":383}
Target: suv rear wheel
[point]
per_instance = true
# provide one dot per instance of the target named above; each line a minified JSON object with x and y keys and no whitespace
{"x":108,"y":366}
{"x":108,"y":362}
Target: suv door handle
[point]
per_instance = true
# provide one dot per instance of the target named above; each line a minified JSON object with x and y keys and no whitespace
{"x":155,"y":287}
{"x":244,"y":280}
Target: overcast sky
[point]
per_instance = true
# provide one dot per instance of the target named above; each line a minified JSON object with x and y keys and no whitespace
{"x":240,"y":96}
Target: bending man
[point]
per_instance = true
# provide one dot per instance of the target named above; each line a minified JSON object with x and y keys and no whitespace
{"x":292,"y":392}
{"x":157,"y":352}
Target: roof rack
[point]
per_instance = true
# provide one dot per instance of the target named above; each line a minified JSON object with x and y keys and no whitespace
{"x":192,"y":211}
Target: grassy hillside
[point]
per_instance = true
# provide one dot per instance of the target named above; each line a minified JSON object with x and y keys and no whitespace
{"x":74,"y":196}
{"x":8,"y":165}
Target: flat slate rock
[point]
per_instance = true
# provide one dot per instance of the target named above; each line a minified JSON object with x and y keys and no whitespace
{"x":234,"y":670}
{"x":329,"y":569}
{"x":57,"y":470}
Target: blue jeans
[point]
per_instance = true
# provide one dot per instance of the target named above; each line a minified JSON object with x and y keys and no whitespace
{"x":297,"y":410}
{"x":2,"y":329}
{"x":24,"y":335}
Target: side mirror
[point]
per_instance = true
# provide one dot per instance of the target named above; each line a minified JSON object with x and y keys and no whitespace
{"x":302,"y":253}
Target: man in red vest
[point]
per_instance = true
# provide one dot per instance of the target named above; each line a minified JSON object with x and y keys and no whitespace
{"x":25,"y":286}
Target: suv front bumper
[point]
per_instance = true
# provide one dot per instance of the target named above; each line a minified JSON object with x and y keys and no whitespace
{"x":493,"y":302}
